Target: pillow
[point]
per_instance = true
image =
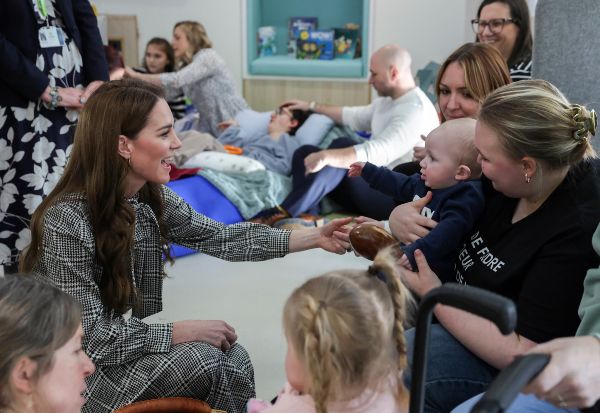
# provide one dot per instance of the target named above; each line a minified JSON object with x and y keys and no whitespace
{"x":253,"y":123}
{"x":312,"y":131}
{"x":223,"y":162}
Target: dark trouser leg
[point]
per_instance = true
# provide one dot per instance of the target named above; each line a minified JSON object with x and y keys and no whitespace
{"x":355,"y":195}
{"x":308,"y":190}
{"x":453,"y":375}
{"x":408,"y":168}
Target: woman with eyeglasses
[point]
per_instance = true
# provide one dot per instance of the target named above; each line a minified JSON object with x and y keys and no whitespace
{"x":505,"y":25}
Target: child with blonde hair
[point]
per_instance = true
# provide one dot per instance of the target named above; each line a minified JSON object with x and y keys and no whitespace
{"x":346,"y":347}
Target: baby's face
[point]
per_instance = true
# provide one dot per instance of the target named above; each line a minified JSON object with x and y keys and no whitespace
{"x":440,"y":165}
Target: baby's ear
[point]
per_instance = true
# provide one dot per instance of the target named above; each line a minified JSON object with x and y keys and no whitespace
{"x":463,"y":173}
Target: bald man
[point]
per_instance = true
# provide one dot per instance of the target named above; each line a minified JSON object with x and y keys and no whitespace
{"x":396,"y":120}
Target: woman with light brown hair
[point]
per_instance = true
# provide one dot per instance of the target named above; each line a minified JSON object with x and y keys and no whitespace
{"x":101,"y":235}
{"x":465,"y":78}
{"x":201,"y":75}
{"x":42,"y":365}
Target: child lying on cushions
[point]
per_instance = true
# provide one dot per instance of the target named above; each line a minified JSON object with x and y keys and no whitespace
{"x":267,"y":140}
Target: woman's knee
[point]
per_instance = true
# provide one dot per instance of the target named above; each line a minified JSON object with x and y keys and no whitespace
{"x":342,"y":143}
{"x":303,"y":151}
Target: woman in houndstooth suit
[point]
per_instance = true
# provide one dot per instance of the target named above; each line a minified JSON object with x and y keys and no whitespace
{"x":101,"y":235}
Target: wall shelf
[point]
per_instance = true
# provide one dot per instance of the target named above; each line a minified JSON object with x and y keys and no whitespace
{"x":331,"y":14}
{"x":269,"y":80}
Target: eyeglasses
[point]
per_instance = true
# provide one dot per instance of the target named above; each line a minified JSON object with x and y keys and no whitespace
{"x":495,"y":25}
{"x":282,"y":110}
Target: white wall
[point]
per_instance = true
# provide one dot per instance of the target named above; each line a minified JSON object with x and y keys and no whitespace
{"x":429,"y":29}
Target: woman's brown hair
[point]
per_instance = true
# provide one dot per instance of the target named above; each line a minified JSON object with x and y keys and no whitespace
{"x":484,"y":67}
{"x":98,"y":173}
{"x":347,"y":328}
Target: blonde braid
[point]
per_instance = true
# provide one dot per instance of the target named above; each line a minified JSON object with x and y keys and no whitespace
{"x":401,"y":300}
{"x":318,"y":346}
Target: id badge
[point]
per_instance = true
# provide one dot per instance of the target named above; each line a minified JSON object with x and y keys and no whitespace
{"x":51,"y":36}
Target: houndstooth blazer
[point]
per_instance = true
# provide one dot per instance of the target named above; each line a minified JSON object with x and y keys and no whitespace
{"x":68,"y":258}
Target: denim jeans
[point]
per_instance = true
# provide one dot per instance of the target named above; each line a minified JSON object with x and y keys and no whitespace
{"x":453,"y":375}
{"x":522,"y":404}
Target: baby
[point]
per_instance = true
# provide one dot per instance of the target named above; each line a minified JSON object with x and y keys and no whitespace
{"x":451,"y":171}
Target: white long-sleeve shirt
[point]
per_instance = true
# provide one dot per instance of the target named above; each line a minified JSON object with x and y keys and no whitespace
{"x":396,"y":126}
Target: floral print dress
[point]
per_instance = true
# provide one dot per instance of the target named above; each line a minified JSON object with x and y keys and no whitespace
{"x":35,"y":143}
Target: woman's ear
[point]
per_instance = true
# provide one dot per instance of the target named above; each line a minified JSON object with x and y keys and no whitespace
{"x":124,"y":147}
{"x":22,"y":375}
{"x":529,"y":166}
{"x":463,"y":173}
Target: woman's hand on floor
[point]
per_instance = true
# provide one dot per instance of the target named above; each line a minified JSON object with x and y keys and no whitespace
{"x":214,"y":332}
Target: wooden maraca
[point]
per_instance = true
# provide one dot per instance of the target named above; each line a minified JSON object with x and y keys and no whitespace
{"x":367,"y":239}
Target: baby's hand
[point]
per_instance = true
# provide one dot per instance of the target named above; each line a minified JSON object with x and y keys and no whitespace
{"x":404,"y":262}
{"x":356,"y":169}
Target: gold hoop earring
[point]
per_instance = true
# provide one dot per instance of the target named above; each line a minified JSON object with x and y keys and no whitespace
{"x":527,"y":178}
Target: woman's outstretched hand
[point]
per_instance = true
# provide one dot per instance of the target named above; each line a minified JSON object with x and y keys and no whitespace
{"x":331,"y":236}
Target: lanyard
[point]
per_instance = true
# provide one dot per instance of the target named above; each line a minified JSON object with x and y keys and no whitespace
{"x":42,"y":9}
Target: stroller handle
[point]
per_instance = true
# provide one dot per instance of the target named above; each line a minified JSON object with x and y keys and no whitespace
{"x":499,"y":310}
{"x":491,"y":306}
{"x":509,"y":382}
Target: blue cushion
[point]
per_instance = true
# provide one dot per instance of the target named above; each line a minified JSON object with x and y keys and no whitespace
{"x":205,"y":198}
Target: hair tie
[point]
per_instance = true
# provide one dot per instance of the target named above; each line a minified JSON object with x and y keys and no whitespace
{"x":583,"y":124}
{"x":376,"y":272}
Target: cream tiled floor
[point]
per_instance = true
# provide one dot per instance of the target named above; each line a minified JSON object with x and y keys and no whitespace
{"x":250,"y":297}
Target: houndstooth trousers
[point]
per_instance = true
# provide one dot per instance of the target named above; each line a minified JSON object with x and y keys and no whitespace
{"x":224,"y":380}
{"x":198,"y":370}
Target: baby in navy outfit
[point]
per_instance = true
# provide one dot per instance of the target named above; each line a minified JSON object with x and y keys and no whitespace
{"x":451,"y":171}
